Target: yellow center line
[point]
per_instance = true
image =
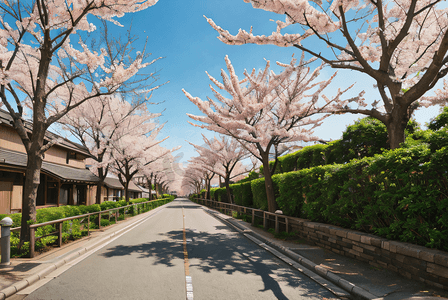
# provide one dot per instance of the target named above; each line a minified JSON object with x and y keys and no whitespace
{"x":187,"y":265}
{"x":188,"y":281}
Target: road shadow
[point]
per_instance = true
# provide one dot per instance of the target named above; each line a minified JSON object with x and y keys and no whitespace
{"x":225,"y":252}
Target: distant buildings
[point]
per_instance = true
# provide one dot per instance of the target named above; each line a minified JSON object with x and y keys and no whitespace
{"x":64,"y":178}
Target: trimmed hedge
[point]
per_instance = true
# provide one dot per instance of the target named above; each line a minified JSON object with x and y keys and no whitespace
{"x":72,"y":229}
{"x":242,"y":194}
{"x":401,"y":195}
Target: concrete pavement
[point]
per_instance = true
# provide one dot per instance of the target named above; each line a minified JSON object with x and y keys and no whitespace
{"x":328,"y":269}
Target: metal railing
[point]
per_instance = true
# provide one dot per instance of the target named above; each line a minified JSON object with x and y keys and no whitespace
{"x":267,"y":217}
{"x":59,"y":223}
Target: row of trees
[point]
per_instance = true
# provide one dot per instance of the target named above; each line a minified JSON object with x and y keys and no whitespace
{"x":220,"y":156}
{"x":108,"y":127}
{"x":401,"y":44}
{"x":52,"y":67}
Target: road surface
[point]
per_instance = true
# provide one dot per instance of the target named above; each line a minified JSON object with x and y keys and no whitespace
{"x":181,"y":252}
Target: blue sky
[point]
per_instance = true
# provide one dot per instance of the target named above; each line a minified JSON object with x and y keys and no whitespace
{"x":178,"y":32}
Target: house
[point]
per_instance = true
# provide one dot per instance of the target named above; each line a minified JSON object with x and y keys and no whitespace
{"x":146,"y":193}
{"x":64,"y":178}
{"x":113,"y":190}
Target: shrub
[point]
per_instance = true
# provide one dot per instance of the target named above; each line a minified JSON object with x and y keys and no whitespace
{"x":243,"y":194}
{"x":122,"y":203}
{"x":70,"y":210}
{"x":109,"y":205}
{"x":105,"y":222}
{"x":221,"y":195}
{"x":252,"y":175}
{"x":258,"y":188}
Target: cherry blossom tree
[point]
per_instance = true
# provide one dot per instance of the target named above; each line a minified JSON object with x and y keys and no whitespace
{"x":163,"y":171}
{"x":266,"y":109}
{"x":203,"y":168}
{"x":131,"y":157}
{"x":228,"y":153}
{"x":99,"y":123}
{"x":192,"y":179}
{"x":39,"y":59}
{"x":401,"y":44}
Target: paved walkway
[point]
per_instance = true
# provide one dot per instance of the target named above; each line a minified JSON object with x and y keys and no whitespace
{"x":365,"y":281}
{"x":369,"y":282}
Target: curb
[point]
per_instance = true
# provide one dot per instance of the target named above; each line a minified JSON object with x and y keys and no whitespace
{"x":20,"y":285}
{"x":319,"y":274}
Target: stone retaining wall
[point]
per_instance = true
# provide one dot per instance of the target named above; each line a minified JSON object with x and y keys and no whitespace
{"x":411,"y":261}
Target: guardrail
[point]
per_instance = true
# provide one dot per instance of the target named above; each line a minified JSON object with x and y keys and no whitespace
{"x":276,"y":218}
{"x":59,"y":223}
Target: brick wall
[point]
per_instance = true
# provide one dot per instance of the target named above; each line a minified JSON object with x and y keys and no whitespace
{"x":411,"y":261}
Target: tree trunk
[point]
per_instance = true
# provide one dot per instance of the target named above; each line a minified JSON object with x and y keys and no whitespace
{"x":272,"y":205}
{"x":126,"y":193}
{"x":396,"y":126}
{"x":102,"y":174}
{"x":207,"y":194}
{"x":228,"y":191}
{"x":32,"y":181}
{"x":99,"y":188}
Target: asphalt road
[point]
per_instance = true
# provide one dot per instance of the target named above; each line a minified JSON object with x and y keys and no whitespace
{"x":181,"y":253}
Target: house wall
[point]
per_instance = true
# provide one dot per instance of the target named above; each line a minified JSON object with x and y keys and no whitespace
{"x":10,"y":192}
{"x":10,"y":140}
{"x":91,"y":194}
{"x":58,"y":155}
{"x":5,"y":197}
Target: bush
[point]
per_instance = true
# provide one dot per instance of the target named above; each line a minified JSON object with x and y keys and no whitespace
{"x":252,"y":175}
{"x":221,"y":195}
{"x":109,"y":205}
{"x":70,"y":211}
{"x":70,"y":229}
{"x":242,"y":193}
{"x":105,"y":222}
{"x":259,"y":193}
{"x":122,"y":203}
{"x":400,"y":195}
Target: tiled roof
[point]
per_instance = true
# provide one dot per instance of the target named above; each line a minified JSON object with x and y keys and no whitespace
{"x":6,"y":118}
{"x":115,"y":183}
{"x":64,"y":173}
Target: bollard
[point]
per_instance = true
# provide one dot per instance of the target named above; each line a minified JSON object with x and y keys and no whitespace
{"x":6,"y":224}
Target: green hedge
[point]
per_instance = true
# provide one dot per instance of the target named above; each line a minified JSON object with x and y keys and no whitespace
{"x":401,"y":195}
{"x":242,"y":193}
{"x":72,"y":229}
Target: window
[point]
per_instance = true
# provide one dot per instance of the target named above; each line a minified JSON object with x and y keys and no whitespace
{"x":70,"y":155}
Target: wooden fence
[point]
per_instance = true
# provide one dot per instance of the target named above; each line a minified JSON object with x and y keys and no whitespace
{"x":59,"y":223}
{"x":278,"y":220}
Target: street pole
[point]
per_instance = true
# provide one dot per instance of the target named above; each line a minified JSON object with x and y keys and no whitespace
{"x":6,"y":224}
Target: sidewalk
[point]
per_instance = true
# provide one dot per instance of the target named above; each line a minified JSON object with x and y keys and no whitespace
{"x":24,"y":272}
{"x":365,"y":281}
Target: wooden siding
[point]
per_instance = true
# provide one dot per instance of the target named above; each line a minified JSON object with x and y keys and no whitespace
{"x":16,"y":201}
{"x":91,"y":193}
{"x":10,"y":140}
{"x":58,"y":155}
{"x":5,"y":197}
